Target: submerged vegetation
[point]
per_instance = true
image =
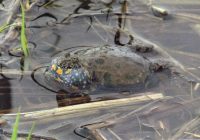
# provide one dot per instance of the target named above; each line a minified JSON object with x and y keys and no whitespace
{"x":16,"y":128}
{"x":23,"y":38}
{"x":31,"y":132}
{"x":4,"y":27}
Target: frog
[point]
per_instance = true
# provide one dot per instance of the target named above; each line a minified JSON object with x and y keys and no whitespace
{"x":106,"y":66}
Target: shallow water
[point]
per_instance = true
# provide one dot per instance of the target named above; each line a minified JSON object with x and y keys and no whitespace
{"x":78,"y":24}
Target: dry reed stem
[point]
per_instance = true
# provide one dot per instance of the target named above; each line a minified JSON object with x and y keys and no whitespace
{"x":186,"y":127}
{"x":89,"y":106}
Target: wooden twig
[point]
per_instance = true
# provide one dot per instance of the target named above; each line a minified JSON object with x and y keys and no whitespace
{"x":89,"y":106}
{"x":186,"y":127}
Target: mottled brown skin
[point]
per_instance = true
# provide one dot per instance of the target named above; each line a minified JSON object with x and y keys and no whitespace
{"x":113,"y":69}
{"x":116,"y":72}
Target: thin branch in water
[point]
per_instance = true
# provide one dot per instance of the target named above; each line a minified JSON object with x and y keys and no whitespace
{"x":196,"y":87}
{"x":187,"y":126}
{"x":193,"y":134}
{"x":140,"y":126}
{"x":102,"y":26}
{"x":114,"y":134}
{"x":98,"y":34}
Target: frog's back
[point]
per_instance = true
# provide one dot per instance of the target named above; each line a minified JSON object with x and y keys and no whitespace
{"x":112,"y":66}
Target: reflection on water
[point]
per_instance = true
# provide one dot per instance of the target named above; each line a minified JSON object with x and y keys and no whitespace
{"x":53,"y":31}
{"x":58,"y":27}
{"x":65,"y":99}
{"x":5,"y":95}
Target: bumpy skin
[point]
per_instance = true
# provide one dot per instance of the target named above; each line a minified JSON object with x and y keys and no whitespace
{"x":67,"y":74}
{"x":105,"y":66}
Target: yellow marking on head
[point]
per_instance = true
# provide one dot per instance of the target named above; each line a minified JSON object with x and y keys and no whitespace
{"x":68,"y":71}
{"x":59,"y":71}
{"x":53,"y":67}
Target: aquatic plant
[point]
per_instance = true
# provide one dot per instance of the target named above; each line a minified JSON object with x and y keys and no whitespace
{"x":3,"y":27}
{"x":6,"y":26}
{"x":31,"y":132}
{"x":23,"y":38}
{"x":15,"y":127}
{"x":24,"y":42}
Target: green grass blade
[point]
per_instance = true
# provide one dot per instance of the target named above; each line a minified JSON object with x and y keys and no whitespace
{"x":3,"y":27}
{"x":31,"y":132}
{"x":15,"y":127}
{"x":24,"y":42}
{"x":6,"y":26}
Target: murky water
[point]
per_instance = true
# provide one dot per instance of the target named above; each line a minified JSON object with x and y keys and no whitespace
{"x":56,"y":27}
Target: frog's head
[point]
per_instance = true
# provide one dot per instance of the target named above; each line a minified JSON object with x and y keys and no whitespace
{"x":69,"y":74}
